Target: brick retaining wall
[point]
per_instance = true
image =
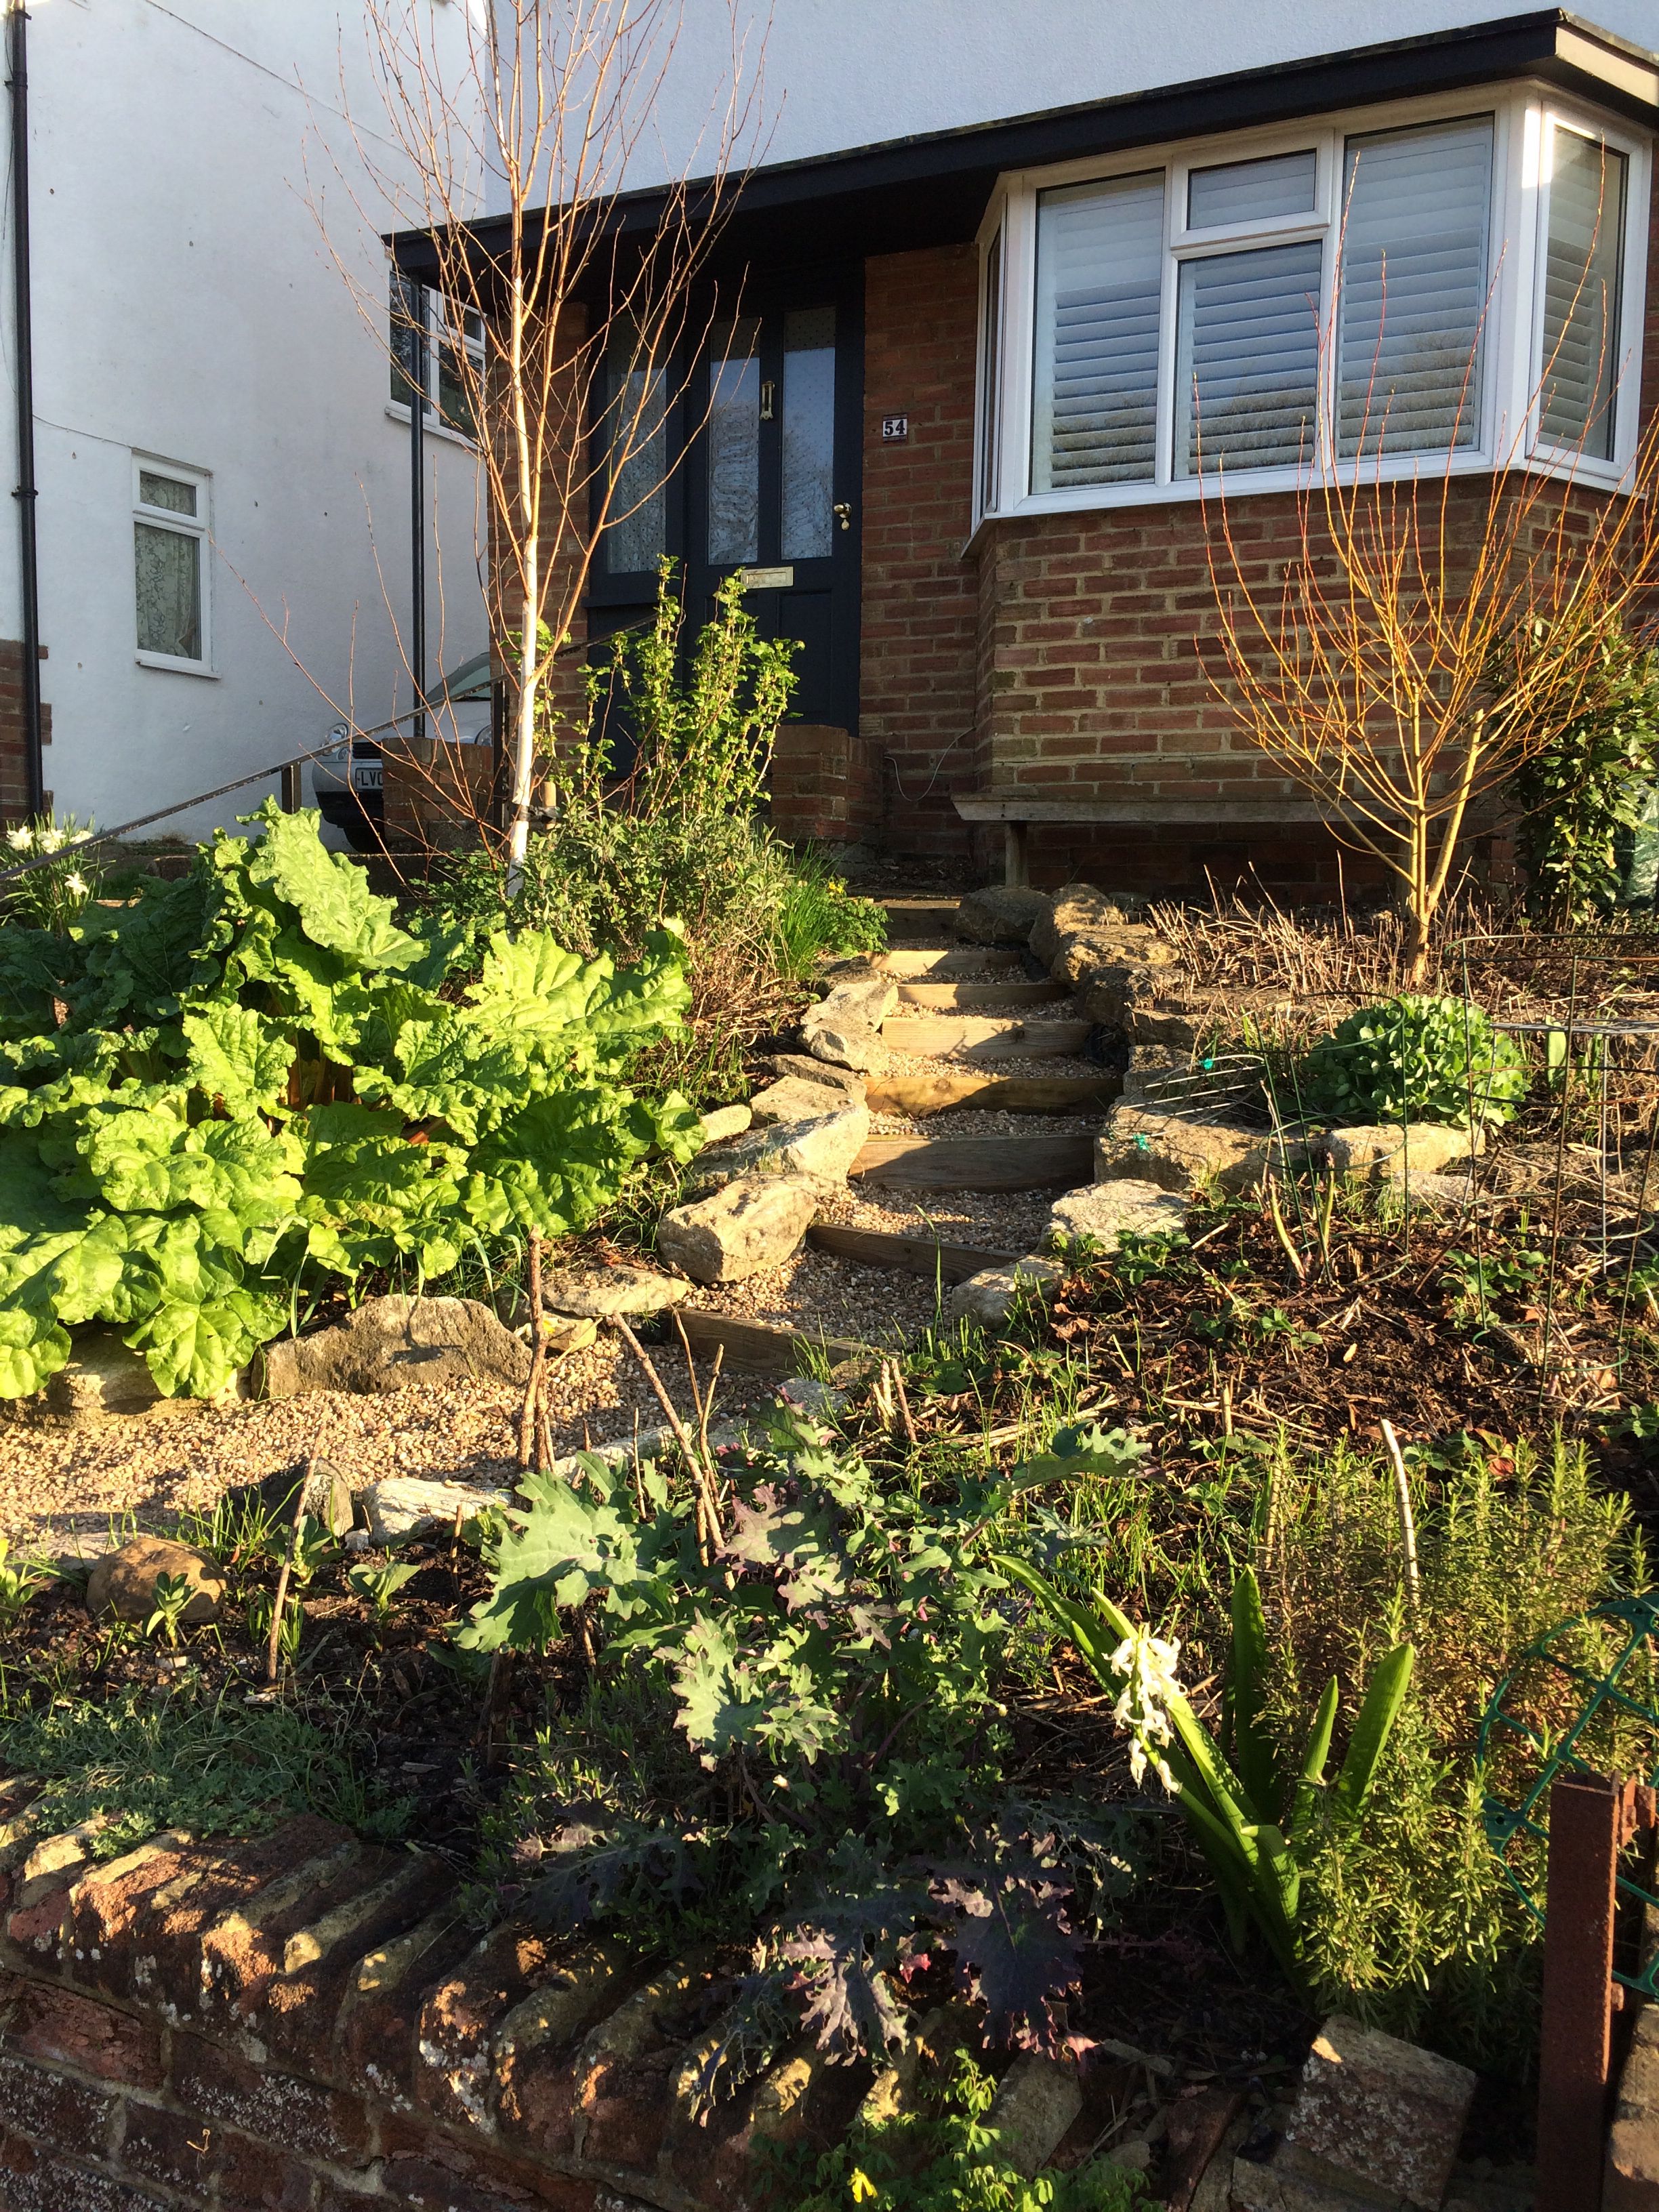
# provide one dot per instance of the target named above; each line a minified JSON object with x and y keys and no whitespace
{"x":308,"y":2023}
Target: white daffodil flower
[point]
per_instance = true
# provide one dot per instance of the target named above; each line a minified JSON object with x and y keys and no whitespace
{"x":1146,"y":1666}
{"x":53,"y":840}
{"x":75,"y":884}
{"x":20,"y":838}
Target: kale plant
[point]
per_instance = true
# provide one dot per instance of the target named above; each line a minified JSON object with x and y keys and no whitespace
{"x":250,"y":1079}
{"x":1414,"y":1059}
{"x":798,"y":1736}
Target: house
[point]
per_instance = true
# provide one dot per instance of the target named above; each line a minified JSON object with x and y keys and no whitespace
{"x":220,"y":507}
{"x":1015,"y":289}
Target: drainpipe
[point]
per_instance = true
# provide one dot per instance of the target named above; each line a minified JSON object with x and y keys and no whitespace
{"x":418,"y":372}
{"x":26,"y":492}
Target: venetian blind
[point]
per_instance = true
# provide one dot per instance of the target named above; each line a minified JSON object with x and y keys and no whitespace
{"x":1247,"y":358}
{"x":1583,"y":274}
{"x":1100,"y":266}
{"x":1414,"y":283}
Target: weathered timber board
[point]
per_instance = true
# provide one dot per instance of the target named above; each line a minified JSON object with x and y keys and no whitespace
{"x":969,"y":997}
{"x":978,"y":1163}
{"x":993,"y":1094}
{"x":909,"y":1255}
{"x":966,"y":960}
{"x":764,"y":1349}
{"x":981,"y":1039}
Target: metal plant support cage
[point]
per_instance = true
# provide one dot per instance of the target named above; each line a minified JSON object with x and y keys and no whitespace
{"x":1638,"y":1617}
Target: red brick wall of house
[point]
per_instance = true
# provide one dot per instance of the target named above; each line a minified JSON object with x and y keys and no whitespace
{"x":13,"y":758}
{"x":918,"y":690}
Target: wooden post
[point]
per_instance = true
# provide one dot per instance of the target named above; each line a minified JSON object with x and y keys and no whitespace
{"x":1591,"y":1819}
{"x":292,"y":787}
{"x":1016,"y":863}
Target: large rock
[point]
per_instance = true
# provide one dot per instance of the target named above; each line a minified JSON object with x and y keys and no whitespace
{"x":842,"y":1028}
{"x":1158,"y":1017}
{"x":757,"y":1222}
{"x":123,"y":1581}
{"x":404,"y":1507}
{"x":395,"y":1344}
{"x":1149,"y":1144}
{"x":1380,"y":2111}
{"x":1386,"y":1150}
{"x":825,"y":1147}
{"x":723,"y":1122}
{"x":1002,"y":913}
{"x":1107,"y":1211}
{"x":1035,"y":2103}
{"x":103,"y":1381}
{"x":790,"y":1099}
{"x":596,"y":1293}
{"x":328,"y":1496}
{"x":807,"y":1070}
{"x":988,"y":1297}
{"x":1075,"y":909}
{"x":1117,"y":985}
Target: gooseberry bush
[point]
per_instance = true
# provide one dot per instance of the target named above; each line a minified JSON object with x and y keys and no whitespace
{"x":1416,"y":1058}
{"x":253,"y":1082}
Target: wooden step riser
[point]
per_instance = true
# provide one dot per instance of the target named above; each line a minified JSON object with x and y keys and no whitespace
{"x":908,"y":1256}
{"x":981,"y":1038}
{"x":921,"y":1095}
{"x":970,"y":997}
{"x":914,"y":962}
{"x":762,"y":1349}
{"x":1032,"y":1163}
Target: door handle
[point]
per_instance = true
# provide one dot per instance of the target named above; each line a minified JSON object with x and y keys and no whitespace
{"x":843,"y":512}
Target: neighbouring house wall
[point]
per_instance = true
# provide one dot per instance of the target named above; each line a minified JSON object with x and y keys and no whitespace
{"x":917,"y":677}
{"x":13,"y":762}
{"x":194,"y":178}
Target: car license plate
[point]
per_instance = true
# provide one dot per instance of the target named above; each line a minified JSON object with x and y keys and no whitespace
{"x":365,"y":776}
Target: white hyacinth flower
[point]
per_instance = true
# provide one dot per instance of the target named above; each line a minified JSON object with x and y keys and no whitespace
{"x":75,"y":884}
{"x":20,"y":838}
{"x":1145,"y":1664}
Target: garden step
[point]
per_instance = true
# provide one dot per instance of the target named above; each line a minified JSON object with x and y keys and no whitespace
{"x":983,"y":1037}
{"x":993,"y":1094}
{"x":919,"y":917}
{"x":1016,"y":992}
{"x":977,"y":1163}
{"x":908,"y":1256}
{"x":765,"y":1349}
{"x":911,"y":961}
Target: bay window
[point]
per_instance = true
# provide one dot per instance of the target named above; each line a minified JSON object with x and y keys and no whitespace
{"x":1451,"y":284}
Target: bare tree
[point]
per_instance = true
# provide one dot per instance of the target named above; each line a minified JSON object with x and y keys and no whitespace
{"x":1428,"y":635}
{"x":516,"y":166}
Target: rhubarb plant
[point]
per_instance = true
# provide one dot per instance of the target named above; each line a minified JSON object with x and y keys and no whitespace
{"x":253,"y":1080}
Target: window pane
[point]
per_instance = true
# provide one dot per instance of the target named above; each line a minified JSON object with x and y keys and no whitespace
{"x":455,"y":390}
{"x":169,"y":577}
{"x":407,"y":326}
{"x":990,"y":419}
{"x":1247,"y":359}
{"x":168,"y":492}
{"x":1583,"y":273}
{"x":809,"y":434}
{"x":734,"y":445}
{"x":1100,"y":266}
{"x":1414,"y":289}
{"x":637,"y":539}
{"x":1248,"y":191}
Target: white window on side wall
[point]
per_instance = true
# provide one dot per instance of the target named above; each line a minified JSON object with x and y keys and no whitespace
{"x":1445,"y":284}
{"x":440,"y":346}
{"x":170,"y":523}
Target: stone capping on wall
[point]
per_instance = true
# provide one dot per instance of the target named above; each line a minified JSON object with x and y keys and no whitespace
{"x":308,"y":2023}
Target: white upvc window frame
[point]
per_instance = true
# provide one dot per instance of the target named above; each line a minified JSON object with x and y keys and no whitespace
{"x":1523,"y":114}
{"x":438,"y":330}
{"x":199,"y":526}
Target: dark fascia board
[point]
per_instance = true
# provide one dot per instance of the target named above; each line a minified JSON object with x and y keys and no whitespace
{"x":932,"y":189}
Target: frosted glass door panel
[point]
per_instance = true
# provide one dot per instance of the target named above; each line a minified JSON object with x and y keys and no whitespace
{"x":734,"y":418}
{"x":809,"y":433}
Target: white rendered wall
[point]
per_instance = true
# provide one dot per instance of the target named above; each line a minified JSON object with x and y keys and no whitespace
{"x":844,"y":73}
{"x":188,"y":305}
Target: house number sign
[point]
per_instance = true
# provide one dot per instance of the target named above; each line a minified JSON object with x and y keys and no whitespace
{"x":767,"y":580}
{"x":895,"y":430}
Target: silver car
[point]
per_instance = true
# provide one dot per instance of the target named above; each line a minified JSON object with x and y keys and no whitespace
{"x":347,"y":781}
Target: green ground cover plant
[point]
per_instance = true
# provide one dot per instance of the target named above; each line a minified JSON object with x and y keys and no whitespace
{"x":1416,"y":1058}
{"x":250,"y":1084}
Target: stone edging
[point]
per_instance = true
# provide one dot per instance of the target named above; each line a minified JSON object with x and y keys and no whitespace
{"x":306,"y":2023}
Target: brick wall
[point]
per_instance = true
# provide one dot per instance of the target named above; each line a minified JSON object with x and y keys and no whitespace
{"x":917,"y":674}
{"x":307,"y":2024}
{"x":14,"y":759}
{"x":826,"y":784}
